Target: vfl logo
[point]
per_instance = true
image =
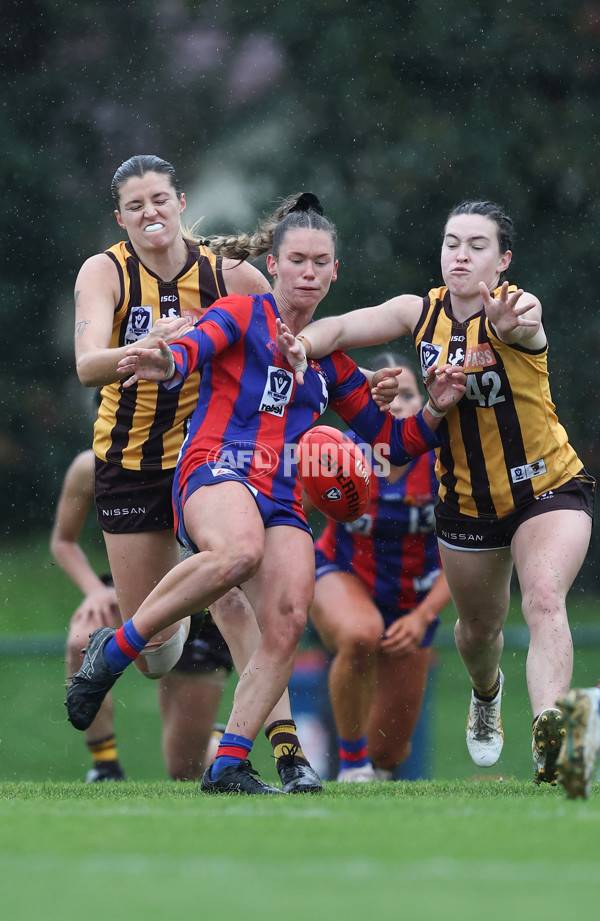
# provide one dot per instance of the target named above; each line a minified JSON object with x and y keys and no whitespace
{"x":333,"y":494}
{"x":429,"y":355}
{"x":277,"y":392}
{"x":138,"y":326}
{"x":528,"y":471}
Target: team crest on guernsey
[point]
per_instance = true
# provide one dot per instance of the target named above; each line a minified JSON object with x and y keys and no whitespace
{"x":429,"y":355}
{"x":277,"y":392}
{"x":138,"y":324}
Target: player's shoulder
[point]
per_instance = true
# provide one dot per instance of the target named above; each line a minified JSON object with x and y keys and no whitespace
{"x":243,"y":278}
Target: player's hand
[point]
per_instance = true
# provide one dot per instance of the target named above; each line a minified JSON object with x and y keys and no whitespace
{"x":292,"y":350}
{"x":385,"y":386}
{"x":446,"y":385}
{"x":404,"y":636}
{"x":166,"y":328}
{"x":98,"y":609}
{"x":143,"y":364}
{"x":505,"y":311}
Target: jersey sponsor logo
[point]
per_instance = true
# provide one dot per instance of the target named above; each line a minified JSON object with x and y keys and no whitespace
{"x":457,"y":537}
{"x":429,"y":355}
{"x":139,"y":324}
{"x":120,"y":512}
{"x":277,"y":392}
{"x":478,"y":357}
{"x":528,"y":471}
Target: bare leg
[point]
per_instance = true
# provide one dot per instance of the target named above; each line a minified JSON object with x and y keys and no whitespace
{"x":480,"y":585}
{"x":137,"y":563}
{"x":189,"y":706}
{"x":549,"y":551}
{"x":350,"y":626}
{"x":401,"y":682}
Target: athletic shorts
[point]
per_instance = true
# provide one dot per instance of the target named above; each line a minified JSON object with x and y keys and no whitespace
{"x":273,"y":513}
{"x":133,"y":501}
{"x":207,"y":653}
{"x":389,"y":612}
{"x":462,"y":532}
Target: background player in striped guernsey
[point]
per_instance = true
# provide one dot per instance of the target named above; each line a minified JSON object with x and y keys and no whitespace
{"x":512,"y":490}
{"x":247,"y":524}
{"x":189,"y":695}
{"x":156,"y":282}
{"x":379,"y":590}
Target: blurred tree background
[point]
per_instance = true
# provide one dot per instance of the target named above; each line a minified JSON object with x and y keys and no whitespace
{"x":392,"y":112}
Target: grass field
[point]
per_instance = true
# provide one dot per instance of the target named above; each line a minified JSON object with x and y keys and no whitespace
{"x":465,"y":844}
{"x":406,"y":850}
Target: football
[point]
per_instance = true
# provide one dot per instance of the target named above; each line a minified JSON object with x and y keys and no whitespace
{"x":334,"y":472}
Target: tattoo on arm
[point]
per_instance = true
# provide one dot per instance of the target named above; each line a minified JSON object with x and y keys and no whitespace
{"x":80,"y":326}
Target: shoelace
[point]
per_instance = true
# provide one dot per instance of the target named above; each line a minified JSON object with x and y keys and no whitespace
{"x":483,"y":726}
{"x":288,"y":753}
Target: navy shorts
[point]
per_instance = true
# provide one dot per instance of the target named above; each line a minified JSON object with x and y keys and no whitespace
{"x":273,"y":513}
{"x":389,"y":612}
{"x":133,"y":501}
{"x":462,"y":532}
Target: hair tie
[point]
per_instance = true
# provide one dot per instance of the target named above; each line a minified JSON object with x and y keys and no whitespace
{"x":307,"y":202}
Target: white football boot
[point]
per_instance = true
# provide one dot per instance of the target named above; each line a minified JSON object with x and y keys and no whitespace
{"x":485,"y":737}
{"x":364,"y":774}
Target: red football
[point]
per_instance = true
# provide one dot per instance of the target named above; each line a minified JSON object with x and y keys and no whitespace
{"x":334,"y":472}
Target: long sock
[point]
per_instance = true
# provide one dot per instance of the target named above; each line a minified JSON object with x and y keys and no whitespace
{"x":232,"y":749}
{"x":487,"y":693}
{"x":123,"y":647}
{"x":352,"y":753}
{"x":104,"y":749}
{"x":282,"y":736}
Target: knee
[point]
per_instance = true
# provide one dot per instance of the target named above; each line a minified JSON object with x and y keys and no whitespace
{"x":284,"y":635}
{"x":77,"y":640}
{"x":542,"y":604}
{"x":240,"y":563}
{"x":480,"y":630}
{"x":362,"y":643}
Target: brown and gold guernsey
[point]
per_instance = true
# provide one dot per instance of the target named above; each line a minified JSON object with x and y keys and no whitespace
{"x":142,"y":428}
{"x":503,"y":444}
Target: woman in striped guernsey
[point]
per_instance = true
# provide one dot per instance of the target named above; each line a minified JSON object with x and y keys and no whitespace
{"x":158,"y":283}
{"x":512,"y":490}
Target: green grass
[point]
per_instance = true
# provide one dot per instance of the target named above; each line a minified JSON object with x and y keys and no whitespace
{"x":418,"y":851}
{"x":466,"y":844}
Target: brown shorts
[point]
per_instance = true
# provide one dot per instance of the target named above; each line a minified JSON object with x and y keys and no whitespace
{"x":462,"y":532}
{"x":133,"y":501}
{"x":207,"y":653}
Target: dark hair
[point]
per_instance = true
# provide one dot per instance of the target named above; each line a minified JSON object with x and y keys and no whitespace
{"x":390,"y":360}
{"x":302,"y":210}
{"x":503,"y":223}
{"x":139,"y":166}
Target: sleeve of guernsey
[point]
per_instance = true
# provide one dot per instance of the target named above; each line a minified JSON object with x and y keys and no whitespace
{"x":220,"y":327}
{"x":351,"y":399}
